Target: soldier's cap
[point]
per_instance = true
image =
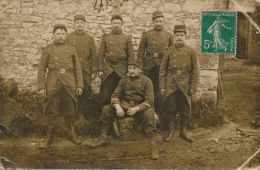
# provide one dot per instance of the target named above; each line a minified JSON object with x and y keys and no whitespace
{"x":77,"y":17}
{"x":180,"y":28}
{"x":135,"y":62}
{"x":157,"y":14}
{"x":116,"y":16}
{"x":59,"y":26}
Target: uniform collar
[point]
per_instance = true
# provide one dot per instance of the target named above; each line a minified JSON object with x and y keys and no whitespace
{"x":79,"y":33}
{"x":58,"y":43}
{"x":117,"y":32}
{"x":158,"y":30}
{"x":179,"y":47}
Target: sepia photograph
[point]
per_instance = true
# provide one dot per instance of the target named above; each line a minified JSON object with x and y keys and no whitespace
{"x":130,"y":84}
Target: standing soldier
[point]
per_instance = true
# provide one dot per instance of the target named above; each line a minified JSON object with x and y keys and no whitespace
{"x":62,"y":85}
{"x":115,"y":50}
{"x":179,"y":78}
{"x":151,"y":49}
{"x":86,"y":50}
{"x":133,"y":97}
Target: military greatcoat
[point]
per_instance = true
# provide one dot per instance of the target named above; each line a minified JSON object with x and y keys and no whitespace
{"x":114,"y":51}
{"x":179,"y":70}
{"x":86,"y":50}
{"x":64,"y":70}
{"x":152,"y":47}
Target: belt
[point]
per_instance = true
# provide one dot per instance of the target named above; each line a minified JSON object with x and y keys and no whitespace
{"x":62,"y":71}
{"x":133,"y":102}
{"x":178,"y":72}
{"x":154,"y":55}
{"x":115,"y":62}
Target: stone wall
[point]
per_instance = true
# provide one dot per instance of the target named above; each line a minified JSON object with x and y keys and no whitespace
{"x":26,"y":27}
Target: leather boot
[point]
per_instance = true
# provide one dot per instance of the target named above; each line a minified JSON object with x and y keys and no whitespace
{"x":72,"y":136}
{"x":47,"y":142}
{"x":154,"y":147}
{"x":183,"y":131}
{"x":103,"y":139}
{"x":171,"y":131}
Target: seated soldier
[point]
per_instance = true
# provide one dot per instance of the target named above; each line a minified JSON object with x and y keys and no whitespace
{"x":134,"y":96}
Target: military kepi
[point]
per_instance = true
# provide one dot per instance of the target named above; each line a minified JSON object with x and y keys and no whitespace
{"x":77,"y":17}
{"x":157,"y":14}
{"x":180,"y":28}
{"x":135,"y":63}
{"x":59,"y":26}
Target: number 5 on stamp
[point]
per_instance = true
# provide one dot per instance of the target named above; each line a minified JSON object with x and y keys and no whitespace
{"x":218,"y":32}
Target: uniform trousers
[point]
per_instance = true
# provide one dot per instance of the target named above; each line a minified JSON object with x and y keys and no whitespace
{"x":176,"y":102}
{"x":108,"y":87}
{"x":153,"y":74}
{"x":60,"y":106}
{"x":144,"y":118}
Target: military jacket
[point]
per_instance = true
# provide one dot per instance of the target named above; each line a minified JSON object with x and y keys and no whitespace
{"x":152,"y":47}
{"x":132,"y":92}
{"x":64,"y":69}
{"x":86,"y":50}
{"x":115,"y":49}
{"x":179,"y":70}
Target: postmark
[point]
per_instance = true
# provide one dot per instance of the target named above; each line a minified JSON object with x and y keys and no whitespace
{"x":218,"y":32}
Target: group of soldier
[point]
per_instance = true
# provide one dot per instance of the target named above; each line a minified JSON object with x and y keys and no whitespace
{"x":161,"y":79}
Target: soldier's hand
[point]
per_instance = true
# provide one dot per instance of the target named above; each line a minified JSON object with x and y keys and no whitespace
{"x":101,"y":74}
{"x":192,"y":92}
{"x":162,"y":92}
{"x":131,"y":111}
{"x":119,"y":111}
{"x":79,"y":91}
{"x":42,"y":92}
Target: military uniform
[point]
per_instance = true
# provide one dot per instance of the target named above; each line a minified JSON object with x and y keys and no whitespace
{"x":86,"y":50}
{"x":179,"y":74}
{"x":132,"y":92}
{"x":115,"y":50}
{"x":64,"y":77}
{"x":151,"y":49}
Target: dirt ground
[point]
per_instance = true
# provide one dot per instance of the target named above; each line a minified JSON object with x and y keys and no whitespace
{"x":224,"y":147}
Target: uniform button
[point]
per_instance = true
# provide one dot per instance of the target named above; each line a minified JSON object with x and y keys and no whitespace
{"x":55,"y":51}
{"x":174,"y":60}
{"x":74,"y":44}
{"x":57,"y":63}
{"x":67,"y":62}
{"x":174,"y":65}
{"x":184,"y":54}
{"x":56,"y":57}
{"x":54,"y":46}
{"x":67,"y":51}
{"x":85,"y":51}
{"x":139,"y":80}
{"x":138,"y":86}
{"x":67,"y":56}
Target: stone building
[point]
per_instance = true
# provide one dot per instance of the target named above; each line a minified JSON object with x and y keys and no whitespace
{"x":26,"y":27}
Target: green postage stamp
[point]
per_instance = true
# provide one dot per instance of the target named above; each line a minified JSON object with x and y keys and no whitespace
{"x":218,"y":32}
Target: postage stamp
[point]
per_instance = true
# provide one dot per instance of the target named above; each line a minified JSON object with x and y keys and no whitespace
{"x":218,"y":32}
